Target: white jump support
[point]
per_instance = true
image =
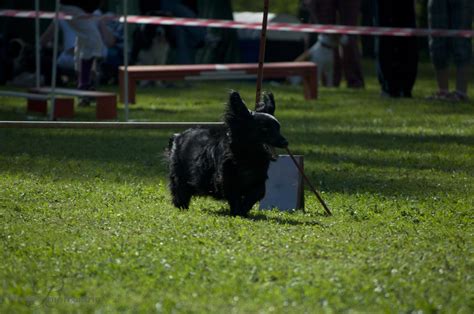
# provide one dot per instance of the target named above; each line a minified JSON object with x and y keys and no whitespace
{"x":104,"y":125}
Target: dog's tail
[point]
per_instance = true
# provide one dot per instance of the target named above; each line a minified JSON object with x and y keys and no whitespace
{"x":169,"y":149}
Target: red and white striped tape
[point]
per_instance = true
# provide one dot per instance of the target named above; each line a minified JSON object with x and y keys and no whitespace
{"x":307,"y":28}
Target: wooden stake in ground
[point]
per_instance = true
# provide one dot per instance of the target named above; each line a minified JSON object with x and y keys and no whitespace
{"x":261,"y":56}
{"x":261,"y":60}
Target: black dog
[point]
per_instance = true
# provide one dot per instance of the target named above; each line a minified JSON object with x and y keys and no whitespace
{"x":226,"y":162}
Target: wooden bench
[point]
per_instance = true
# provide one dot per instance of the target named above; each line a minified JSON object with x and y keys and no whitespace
{"x":64,"y":107}
{"x":106,"y":103}
{"x":307,"y":70}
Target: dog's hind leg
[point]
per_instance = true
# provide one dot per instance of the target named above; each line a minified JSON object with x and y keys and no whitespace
{"x":181,"y":194}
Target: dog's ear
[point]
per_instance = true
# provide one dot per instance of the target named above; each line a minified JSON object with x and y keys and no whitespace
{"x":267,"y":105}
{"x":236,"y":107}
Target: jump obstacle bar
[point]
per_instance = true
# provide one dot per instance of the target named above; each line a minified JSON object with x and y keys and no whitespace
{"x":103,"y":125}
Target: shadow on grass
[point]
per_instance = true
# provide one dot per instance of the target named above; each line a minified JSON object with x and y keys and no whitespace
{"x":388,"y":150}
{"x":354,"y":182}
{"x":257,"y":215}
{"x":155,"y":110}
{"x":140,"y":153}
{"x":381,"y":141}
{"x":421,"y":162}
{"x":131,"y":152}
{"x":444,"y":108}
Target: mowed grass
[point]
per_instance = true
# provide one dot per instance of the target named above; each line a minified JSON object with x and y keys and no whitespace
{"x":86,"y":223}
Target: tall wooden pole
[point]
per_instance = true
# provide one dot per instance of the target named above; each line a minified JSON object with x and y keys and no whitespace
{"x":125,"y":58}
{"x":261,"y":57}
{"x":37,"y":45}
{"x":55,"y":60}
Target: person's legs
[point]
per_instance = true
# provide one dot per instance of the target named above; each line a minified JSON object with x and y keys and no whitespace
{"x":406,"y":63}
{"x":462,"y":78}
{"x":442,"y":79}
{"x":439,"y":46}
{"x":383,"y":47}
{"x":87,"y":52}
{"x":397,"y":57}
{"x":187,"y":38}
{"x":349,"y":11}
{"x":85,"y":74}
{"x":461,"y":18}
{"x":337,"y":72}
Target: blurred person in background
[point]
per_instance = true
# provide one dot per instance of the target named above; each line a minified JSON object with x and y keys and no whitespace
{"x":347,"y":60}
{"x":65,"y":60}
{"x":69,"y":60}
{"x":450,"y":14}
{"x":89,"y":43}
{"x":221,"y":44}
{"x":396,"y":57}
{"x":111,"y":32}
{"x":187,"y":39}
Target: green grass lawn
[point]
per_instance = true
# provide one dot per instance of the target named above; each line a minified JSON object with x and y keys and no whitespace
{"x":86,"y":223}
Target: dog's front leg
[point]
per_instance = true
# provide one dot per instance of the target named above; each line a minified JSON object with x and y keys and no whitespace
{"x":235,"y":204}
{"x":252,"y":197}
{"x":240,"y":205}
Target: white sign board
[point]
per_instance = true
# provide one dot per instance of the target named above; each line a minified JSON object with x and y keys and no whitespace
{"x":284,"y":187}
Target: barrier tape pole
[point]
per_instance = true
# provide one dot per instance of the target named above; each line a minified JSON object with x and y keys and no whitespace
{"x":37,"y":45}
{"x":261,"y":57}
{"x":125,"y":58}
{"x":287,"y":27}
{"x":54,"y":61}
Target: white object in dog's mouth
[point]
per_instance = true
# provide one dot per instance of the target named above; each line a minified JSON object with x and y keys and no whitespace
{"x":271,"y":151}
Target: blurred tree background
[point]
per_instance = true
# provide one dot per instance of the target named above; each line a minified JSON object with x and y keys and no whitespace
{"x":276,"y":6}
{"x":291,"y":7}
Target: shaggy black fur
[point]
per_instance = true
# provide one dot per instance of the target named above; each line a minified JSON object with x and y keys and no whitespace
{"x":227,"y":162}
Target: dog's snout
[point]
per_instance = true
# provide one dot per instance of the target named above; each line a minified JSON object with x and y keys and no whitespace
{"x":282,"y":143}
